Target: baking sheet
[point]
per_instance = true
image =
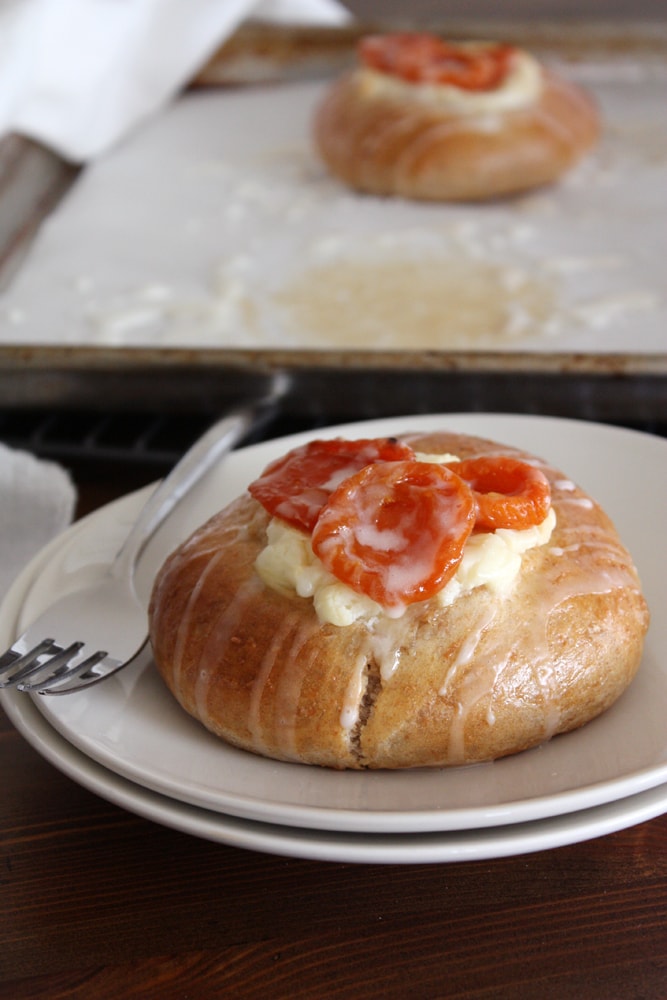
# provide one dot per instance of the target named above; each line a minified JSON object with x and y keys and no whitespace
{"x":216,"y":228}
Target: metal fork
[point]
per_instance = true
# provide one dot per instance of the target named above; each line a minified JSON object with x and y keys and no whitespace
{"x":90,"y":634}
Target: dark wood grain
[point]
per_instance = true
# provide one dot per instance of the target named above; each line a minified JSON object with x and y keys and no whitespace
{"x":98,"y":903}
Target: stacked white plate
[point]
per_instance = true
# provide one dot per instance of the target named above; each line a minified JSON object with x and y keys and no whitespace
{"x":128,"y":741}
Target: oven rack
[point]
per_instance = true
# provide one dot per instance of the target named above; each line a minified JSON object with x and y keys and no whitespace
{"x":147,"y":444}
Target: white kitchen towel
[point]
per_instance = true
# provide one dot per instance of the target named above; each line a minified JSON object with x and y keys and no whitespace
{"x":37,"y":500}
{"x":77,"y":75}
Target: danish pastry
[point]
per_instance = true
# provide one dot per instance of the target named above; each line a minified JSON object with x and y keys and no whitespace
{"x":430,"y":601}
{"x":425,"y":119}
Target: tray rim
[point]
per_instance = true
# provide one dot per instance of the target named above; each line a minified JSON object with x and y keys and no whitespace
{"x":38,"y":357}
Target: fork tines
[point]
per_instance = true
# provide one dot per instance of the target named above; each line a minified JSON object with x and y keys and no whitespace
{"x":45,"y":666}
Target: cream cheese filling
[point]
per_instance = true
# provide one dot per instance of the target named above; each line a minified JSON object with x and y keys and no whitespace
{"x":492,"y":559}
{"x":522,"y":86}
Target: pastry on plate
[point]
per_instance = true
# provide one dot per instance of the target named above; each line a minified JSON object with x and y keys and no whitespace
{"x":428,"y":119}
{"x":431,"y":600}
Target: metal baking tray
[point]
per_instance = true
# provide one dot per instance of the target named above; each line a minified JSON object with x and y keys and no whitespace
{"x":613,"y":368}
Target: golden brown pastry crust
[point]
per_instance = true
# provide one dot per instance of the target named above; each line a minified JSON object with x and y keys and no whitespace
{"x":389,"y":145}
{"x":480,"y":679}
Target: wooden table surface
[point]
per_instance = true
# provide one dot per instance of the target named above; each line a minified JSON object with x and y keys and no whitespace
{"x":98,"y":903}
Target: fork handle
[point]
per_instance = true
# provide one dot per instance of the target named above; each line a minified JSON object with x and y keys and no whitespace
{"x":207,"y":450}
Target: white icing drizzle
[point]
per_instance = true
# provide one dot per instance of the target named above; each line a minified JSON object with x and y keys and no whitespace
{"x":385,"y":651}
{"x":467,"y":650}
{"x":218,"y":640}
{"x":349,"y":715}
{"x":584,"y":502}
{"x":182,"y":636}
{"x":269,"y":660}
{"x":566,"y":126}
{"x":475,"y":686}
{"x":558,"y":550}
{"x":544,"y":673}
{"x":601,"y":568}
{"x":288,"y":692}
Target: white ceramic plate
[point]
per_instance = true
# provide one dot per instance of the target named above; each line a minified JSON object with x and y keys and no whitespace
{"x":132,"y":726}
{"x":326,"y":845}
